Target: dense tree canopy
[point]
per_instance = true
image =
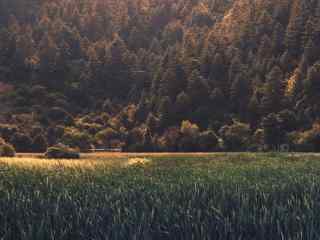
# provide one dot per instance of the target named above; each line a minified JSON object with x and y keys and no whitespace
{"x":124,"y":72}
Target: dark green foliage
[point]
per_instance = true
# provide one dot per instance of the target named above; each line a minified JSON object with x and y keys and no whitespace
{"x":126,"y":64}
{"x":21,"y":142}
{"x":188,"y":141}
{"x":105,"y":137}
{"x":39,"y":144}
{"x":295,"y":29}
{"x":236,"y":136}
{"x":136,"y":139}
{"x":312,"y":82}
{"x":182,"y":105}
{"x":218,"y":103}
{"x":208,"y":141}
{"x":166,"y":112}
{"x":288,"y":120}
{"x":153,"y":123}
{"x":74,"y":138}
{"x":169,"y":141}
{"x":306,"y":141}
{"x":148,"y":144}
{"x":273,"y":92}
{"x":54,"y":133}
{"x":274,"y":131}
{"x":198,"y":88}
{"x":6,"y":150}
{"x":7,"y":131}
{"x":59,"y":115}
{"x":239,"y":94}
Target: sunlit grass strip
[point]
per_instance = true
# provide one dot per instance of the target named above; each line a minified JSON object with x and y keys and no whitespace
{"x":59,"y":163}
{"x":86,"y":163}
{"x":138,"y":161}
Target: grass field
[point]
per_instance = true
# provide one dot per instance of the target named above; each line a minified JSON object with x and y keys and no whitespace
{"x":161,"y":196}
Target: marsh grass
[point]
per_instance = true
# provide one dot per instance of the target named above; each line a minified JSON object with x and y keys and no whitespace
{"x":200,"y":196}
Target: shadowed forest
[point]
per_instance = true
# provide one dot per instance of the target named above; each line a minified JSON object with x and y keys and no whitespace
{"x":160,"y":75}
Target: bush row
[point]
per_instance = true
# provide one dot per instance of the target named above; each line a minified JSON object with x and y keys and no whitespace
{"x":123,"y":130}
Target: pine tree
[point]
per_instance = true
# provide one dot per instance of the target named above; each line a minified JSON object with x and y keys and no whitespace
{"x":239,"y":94}
{"x":311,"y":52}
{"x":312,"y":83}
{"x":182,"y":106}
{"x":165,"y":111}
{"x":172,"y":82}
{"x":198,"y":88}
{"x":273,"y":133}
{"x":265,"y":48}
{"x":253,"y":110}
{"x":148,"y":141}
{"x":278,"y":38}
{"x":152,"y":123}
{"x":218,"y":74}
{"x":295,"y":29}
{"x":235,"y":68}
{"x":273,"y":92}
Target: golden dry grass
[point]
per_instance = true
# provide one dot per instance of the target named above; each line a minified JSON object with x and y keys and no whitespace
{"x":32,"y":162}
{"x":138,"y":161}
{"x":92,"y":160}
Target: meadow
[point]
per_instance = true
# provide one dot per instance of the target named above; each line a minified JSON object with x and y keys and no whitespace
{"x":161,"y":196}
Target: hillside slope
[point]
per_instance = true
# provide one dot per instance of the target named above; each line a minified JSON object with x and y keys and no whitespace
{"x":161,"y":75}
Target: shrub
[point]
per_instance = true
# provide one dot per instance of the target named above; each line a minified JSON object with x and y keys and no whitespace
{"x":153,"y":122}
{"x":102,"y":119}
{"x":39,"y":144}
{"x":168,"y":142}
{"x":208,"y":141}
{"x":54,"y":134}
{"x":21,"y":142}
{"x":91,"y":128}
{"x":135,"y":140}
{"x":188,"y":128}
{"x":39,"y":94}
{"x":75,"y":138}
{"x":114,"y":123}
{"x":189,"y":136}
{"x":306,"y":141}
{"x":288,"y":120}
{"x":7,"y":130}
{"x":274,"y":132}
{"x":61,"y":151}
{"x":59,"y":115}
{"x":107,"y":106}
{"x":257,"y":141}
{"x":36,"y":131}
{"x":236,"y":136}
{"x":6,"y":150}
{"x":105,"y":136}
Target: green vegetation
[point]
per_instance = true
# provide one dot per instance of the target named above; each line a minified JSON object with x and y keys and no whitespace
{"x":217,"y":196}
{"x":6,"y":150}
{"x":62,"y":151}
{"x":128,"y":73}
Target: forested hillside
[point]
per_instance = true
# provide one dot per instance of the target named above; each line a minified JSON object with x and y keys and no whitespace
{"x":160,"y":75}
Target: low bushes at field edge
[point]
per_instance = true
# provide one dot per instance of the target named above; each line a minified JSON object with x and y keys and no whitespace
{"x":62,"y":151}
{"x":6,"y":150}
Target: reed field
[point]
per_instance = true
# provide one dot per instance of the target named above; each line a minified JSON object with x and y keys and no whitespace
{"x":161,"y":196}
